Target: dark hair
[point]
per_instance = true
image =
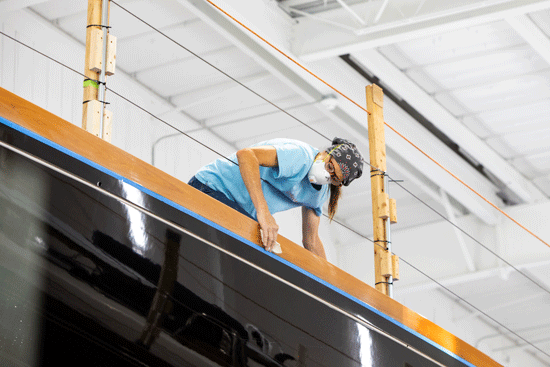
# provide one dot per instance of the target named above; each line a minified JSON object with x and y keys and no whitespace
{"x":335,"y":193}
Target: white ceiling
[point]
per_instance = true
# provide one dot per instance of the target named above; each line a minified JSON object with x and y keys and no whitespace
{"x":476,"y":71}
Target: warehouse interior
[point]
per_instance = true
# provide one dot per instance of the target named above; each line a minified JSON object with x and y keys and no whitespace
{"x":467,"y":82}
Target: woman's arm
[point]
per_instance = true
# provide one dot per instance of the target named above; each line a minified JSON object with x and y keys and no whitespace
{"x":310,"y":232}
{"x":250,"y":160}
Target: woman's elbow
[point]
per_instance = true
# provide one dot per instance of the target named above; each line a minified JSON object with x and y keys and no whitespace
{"x":309,"y":242}
{"x":241,"y":153}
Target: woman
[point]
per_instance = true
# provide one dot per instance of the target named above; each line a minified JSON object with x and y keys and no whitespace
{"x":281,"y":174}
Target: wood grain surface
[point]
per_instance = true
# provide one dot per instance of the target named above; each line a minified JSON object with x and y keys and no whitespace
{"x":69,"y":136}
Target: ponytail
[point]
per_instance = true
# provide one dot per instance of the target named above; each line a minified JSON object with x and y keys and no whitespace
{"x":335,"y":193}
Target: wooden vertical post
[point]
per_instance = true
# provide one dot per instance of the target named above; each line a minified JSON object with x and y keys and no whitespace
{"x":380,"y":201}
{"x":90,"y":89}
{"x":93,"y":63}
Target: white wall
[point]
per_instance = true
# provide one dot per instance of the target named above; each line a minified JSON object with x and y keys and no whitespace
{"x":59,"y":90}
{"x":34,"y":77}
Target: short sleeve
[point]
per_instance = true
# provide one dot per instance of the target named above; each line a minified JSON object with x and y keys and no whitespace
{"x":318,"y":211}
{"x":294,"y":161}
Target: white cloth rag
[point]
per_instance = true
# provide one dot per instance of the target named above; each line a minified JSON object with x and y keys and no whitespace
{"x":276,"y":249}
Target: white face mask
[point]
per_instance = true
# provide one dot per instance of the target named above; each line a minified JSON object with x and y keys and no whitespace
{"x":318,"y":175}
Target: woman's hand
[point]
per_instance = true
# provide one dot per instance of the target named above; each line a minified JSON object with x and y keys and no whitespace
{"x":269,"y":229}
{"x":250,"y":160}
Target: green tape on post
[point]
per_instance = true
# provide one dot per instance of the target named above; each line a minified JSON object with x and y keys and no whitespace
{"x":90,"y":83}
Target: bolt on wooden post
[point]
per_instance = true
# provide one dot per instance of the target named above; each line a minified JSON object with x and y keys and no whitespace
{"x":385,"y":265}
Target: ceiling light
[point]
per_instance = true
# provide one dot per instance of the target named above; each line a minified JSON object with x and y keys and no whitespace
{"x":330,"y":102}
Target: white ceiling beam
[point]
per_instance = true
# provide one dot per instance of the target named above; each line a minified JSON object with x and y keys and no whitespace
{"x":250,"y":112}
{"x":275,"y":26}
{"x":538,"y":342}
{"x":524,"y":345}
{"x":420,"y":6}
{"x":398,"y":81}
{"x":498,"y":235}
{"x":452,"y":217}
{"x":211,"y":93}
{"x":408,"y":176}
{"x":502,"y":331}
{"x":7,"y":6}
{"x":450,"y":12}
{"x":272,"y":23}
{"x":459,"y":58}
{"x":162,"y":64}
{"x":323,"y":20}
{"x":526,"y":28}
{"x":346,"y":116}
{"x":269,"y":111}
{"x":353,"y":85}
{"x":501,"y":305}
{"x":470,"y":278}
{"x":149,"y":32}
{"x":311,"y":41}
{"x":494,"y":81}
{"x":351,"y":11}
{"x":482,"y":340}
{"x":380,"y":11}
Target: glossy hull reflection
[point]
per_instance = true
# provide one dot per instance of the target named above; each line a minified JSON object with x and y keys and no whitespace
{"x":86,"y":278}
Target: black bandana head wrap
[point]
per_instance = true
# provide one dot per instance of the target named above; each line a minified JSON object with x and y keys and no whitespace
{"x":348,"y":158}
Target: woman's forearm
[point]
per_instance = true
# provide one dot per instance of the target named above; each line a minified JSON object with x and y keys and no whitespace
{"x":316,"y":246}
{"x":250,"y":172}
{"x":249,"y":165}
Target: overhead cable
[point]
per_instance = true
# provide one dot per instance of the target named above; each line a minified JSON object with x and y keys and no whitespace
{"x":161,"y":120}
{"x":475,"y":239}
{"x":221,"y":155}
{"x":388,"y":125}
{"x":476,"y":308}
{"x":202,"y":144}
{"x":230,"y":77}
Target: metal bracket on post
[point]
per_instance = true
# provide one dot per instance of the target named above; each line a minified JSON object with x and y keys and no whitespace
{"x":388,"y":237}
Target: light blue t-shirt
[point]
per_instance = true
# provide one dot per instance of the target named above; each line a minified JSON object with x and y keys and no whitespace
{"x":285,"y":187}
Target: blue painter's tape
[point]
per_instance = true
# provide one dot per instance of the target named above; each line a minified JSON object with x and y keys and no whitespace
{"x":224,"y":230}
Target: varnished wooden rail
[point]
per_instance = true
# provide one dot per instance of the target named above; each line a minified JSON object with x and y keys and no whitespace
{"x":77,"y":140}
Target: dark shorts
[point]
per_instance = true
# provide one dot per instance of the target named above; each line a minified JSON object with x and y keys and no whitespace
{"x":217,"y":195}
